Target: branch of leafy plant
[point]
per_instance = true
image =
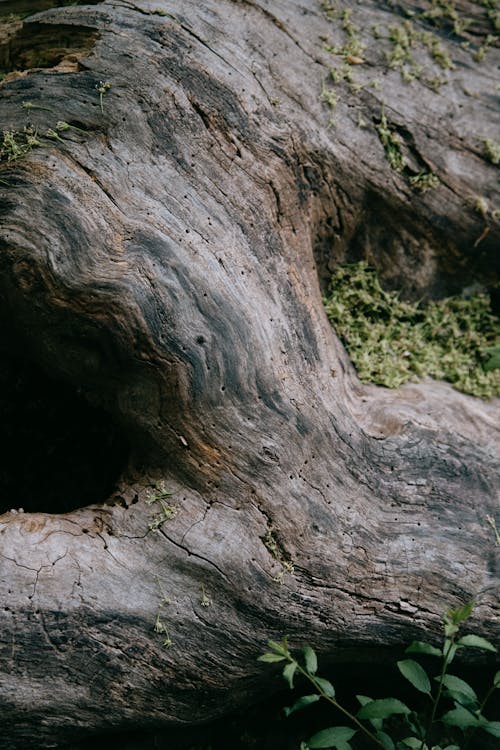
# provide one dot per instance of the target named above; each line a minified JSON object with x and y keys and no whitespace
{"x":325,"y":689}
{"x":466,"y":716}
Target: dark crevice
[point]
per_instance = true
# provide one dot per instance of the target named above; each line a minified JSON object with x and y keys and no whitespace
{"x":26,"y":8}
{"x":59,"y":452}
{"x":410,"y":256}
{"x":33,"y":46}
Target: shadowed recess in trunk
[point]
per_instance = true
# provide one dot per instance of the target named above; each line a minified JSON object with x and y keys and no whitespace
{"x":59,"y":452}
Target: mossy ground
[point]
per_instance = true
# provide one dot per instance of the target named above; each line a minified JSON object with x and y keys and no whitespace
{"x":391,"y":342}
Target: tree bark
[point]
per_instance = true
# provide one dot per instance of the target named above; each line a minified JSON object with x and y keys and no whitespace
{"x":165,"y":256}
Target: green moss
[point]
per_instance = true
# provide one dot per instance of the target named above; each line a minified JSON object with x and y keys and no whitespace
{"x":392,"y":145}
{"x":329,"y":96}
{"x":492,"y":150}
{"x":392,"y":342}
{"x":424,"y":181}
{"x":401,"y":38}
{"x":275,"y":550}
{"x":490,"y":40}
{"x":420,"y":181}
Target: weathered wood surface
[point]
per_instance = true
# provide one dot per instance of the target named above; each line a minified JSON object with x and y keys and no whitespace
{"x":163,"y":262}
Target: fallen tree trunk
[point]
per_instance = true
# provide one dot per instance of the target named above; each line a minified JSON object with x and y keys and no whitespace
{"x":163,"y":247}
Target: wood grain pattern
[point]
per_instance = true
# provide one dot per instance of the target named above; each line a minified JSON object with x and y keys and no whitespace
{"x":167,"y":263}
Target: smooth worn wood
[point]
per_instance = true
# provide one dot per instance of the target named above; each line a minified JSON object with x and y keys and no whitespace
{"x":166,"y":259}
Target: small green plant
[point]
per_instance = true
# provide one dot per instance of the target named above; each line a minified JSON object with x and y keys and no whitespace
{"x":391,"y":342}
{"x":166,"y":511}
{"x":159,"y":626}
{"x":162,"y":629}
{"x":62,"y":127}
{"x":205,"y":600}
{"x":389,"y":723}
{"x":53,"y":135}
{"x":16,"y":145}
{"x":492,"y":523}
{"x":493,"y":362}
{"x":102,"y":88}
{"x":31,"y":105}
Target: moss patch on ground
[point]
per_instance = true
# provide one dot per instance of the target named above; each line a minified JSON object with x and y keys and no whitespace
{"x":391,"y":342}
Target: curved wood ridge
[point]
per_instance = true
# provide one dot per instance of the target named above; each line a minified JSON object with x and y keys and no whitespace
{"x":161,"y":255}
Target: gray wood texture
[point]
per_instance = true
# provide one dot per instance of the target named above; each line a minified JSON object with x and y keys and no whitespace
{"x":168,"y":263}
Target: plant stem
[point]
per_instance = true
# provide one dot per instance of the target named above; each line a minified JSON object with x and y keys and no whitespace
{"x":479,"y":712}
{"x":337,"y":705}
{"x":438,"y":696}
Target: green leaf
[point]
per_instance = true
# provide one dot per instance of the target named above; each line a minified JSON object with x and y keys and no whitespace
{"x":475,"y":641}
{"x":420,"y":647}
{"x":458,"y":615}
{"x":460,"y":717}
{"x":458,"y":687}
{"x":450,"y":629}
{"x":493,"y":362}
{"x":382,"y":708}
{"x":303,"y":702}
{"x":412,"y":742}
{"x":336,"y":737}
{"x":311,"y":660}
{"x":451,"y":747}
{"x":496,"y":680}
{"x":386,"y":741}
{"x":415,"y":674}
{"x":325,"y":686}
{"x":450,"y":649}
{"x":492,"y":727}
{"x":268,"y":657}
{"x":376,"y":723}
{"x":364,"y":699}
{"x":288,"y":673}
{"x":279,"y":648}
{"x":303,"y":746}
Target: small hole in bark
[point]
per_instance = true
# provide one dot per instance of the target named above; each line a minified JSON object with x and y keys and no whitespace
{"x":60,"y":453}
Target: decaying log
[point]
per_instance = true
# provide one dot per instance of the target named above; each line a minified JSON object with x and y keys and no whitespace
{"x":163,"y":259}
